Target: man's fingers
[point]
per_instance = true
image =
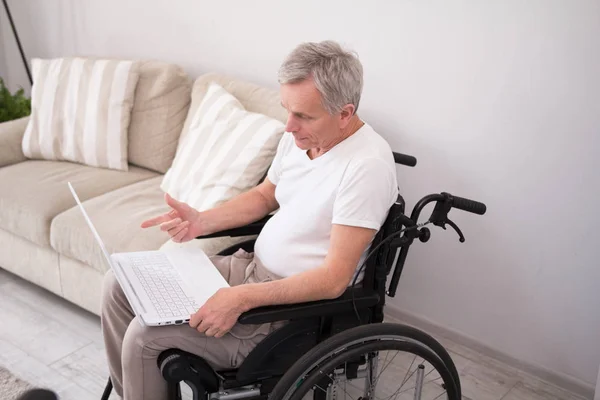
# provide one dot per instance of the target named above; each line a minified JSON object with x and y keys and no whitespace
{"x":212,"y":331}
{"x":176,"y":207}
{"x":157,"y":220}
{"x":220,"y":334}
{"x":203,"y":326}
{"x":177,"y":238}
{"x":174,"y":204}
{"x":167,"y":226}
{"x":178,"y":232}
{"x":195,"y":320}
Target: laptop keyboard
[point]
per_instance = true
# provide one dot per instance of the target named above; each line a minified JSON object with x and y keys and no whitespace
{"x":163,"y":285}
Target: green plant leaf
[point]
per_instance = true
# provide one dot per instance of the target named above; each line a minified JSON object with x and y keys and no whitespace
{"x":13,"y":106}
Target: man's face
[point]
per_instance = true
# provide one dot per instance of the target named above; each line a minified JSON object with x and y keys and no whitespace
{"x":311,"y":125}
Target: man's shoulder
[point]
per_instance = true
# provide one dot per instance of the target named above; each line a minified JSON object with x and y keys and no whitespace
{"x":376,"y":137}
{"x":370,"y":145}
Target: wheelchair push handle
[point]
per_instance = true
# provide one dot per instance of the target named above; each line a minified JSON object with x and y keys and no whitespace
{"x":444,"y":203}
{"x":404,"y":159}
{"x":468,"y":205}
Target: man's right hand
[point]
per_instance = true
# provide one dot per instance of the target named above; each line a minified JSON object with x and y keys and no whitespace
{"x":182,"y":223}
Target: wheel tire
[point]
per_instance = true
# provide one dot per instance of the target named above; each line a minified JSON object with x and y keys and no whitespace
{"x":364,"y":333}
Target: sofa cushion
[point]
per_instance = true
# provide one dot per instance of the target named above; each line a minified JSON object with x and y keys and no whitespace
{"x":254,"y":98}
{"x":34,"y":263}
{"x":35,"y":191}
{"x":117,"y":217}
{"x":225,"y":152}
{"x":11,"y":137}
{"x":162,"y":99}
{"x":80,"y":111}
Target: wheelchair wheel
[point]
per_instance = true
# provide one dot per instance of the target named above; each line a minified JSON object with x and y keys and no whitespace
{"x":378,"y":361}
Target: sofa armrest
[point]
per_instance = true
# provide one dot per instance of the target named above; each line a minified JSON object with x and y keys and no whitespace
{"x":343,"y":304}
{"x":253,"y":228}
{"x":11,"y":137}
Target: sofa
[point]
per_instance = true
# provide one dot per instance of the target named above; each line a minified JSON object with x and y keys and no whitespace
{"x":44,"y":237}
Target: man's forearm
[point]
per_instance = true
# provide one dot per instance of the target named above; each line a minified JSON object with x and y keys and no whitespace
{"x":316,"y":284}
{"x":239,"y":211}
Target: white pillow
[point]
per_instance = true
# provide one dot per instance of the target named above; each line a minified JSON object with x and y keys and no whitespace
{"x":80,"y":111}
{"x":225,"y":151}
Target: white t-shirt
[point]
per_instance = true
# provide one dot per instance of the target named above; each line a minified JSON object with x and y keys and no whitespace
{"x":354,"y":184}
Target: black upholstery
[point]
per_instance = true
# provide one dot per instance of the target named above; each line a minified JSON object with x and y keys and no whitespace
{"x":277,"y":354}
{"x":180,"y":366}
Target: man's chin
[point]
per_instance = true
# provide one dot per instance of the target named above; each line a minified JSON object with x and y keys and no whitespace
{"x":301,"y":144}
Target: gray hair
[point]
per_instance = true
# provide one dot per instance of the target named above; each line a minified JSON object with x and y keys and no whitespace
{"x":337,"y":73}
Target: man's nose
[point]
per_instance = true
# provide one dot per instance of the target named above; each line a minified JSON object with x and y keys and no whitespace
{"x":291,"y":125}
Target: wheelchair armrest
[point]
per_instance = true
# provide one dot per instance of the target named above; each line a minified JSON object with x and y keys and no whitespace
{"x":253,"y":228}
{"x":343,"y":304}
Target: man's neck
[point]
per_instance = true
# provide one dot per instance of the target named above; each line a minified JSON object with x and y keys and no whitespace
{"x":353,"y":126}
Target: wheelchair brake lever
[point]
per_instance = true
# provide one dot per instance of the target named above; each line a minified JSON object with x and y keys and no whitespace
{"x":457,"y":229}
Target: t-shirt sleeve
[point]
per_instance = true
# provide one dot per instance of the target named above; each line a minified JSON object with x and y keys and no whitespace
{"x":367,"y":191}
{"x":274,"y":172}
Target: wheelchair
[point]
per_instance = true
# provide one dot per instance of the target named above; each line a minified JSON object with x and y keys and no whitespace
{"x":339,"y":348}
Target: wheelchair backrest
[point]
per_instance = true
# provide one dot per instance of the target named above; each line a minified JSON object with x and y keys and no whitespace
{"x":380,"y":264}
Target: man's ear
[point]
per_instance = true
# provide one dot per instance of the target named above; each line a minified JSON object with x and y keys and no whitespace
{"x":346,"y":115}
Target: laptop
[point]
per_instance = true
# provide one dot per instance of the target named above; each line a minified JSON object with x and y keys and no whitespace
{"x":163,"y":287}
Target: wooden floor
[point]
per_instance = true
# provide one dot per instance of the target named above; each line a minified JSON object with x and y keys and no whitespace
{"x":52,"y":343}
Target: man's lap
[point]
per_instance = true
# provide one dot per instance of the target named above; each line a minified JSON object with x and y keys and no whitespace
{"x":224,"y":352}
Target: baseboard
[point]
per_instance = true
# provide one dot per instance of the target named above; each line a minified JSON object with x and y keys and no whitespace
{"x":563,"y":381}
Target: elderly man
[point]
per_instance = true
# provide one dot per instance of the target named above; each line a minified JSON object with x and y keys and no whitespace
{"x":333,"y":181}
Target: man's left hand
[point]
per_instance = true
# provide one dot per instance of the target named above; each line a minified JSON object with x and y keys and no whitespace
{"x":219,"y":314}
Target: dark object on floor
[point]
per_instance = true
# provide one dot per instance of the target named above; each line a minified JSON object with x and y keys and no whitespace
{"x":38,"y":394}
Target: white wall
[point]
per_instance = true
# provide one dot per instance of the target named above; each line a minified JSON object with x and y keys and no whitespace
{"x":497,"y":99}
{"x":11,"y":67}
{"x":597,"y":395}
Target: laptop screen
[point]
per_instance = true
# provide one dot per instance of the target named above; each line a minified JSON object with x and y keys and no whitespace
{"x":89,"y":222}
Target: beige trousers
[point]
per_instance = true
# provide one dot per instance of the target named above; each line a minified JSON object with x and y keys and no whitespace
{"x":133,"y":349}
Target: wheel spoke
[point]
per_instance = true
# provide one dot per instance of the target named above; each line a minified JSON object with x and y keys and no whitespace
{"x":361,"y":366}
{"x":385,"y":367}
{"x":333,"y":382}
{"x":324,"y":390}
{"x":440,"y":395}
{"x":405,"y":376}
{"x":414,"y":387}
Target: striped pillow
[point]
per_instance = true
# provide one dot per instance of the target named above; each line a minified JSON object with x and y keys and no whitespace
{"x":81,"y":110}
{"x":225,"y":151}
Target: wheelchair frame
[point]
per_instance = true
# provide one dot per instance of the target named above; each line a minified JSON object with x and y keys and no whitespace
{"x":311,"y":323}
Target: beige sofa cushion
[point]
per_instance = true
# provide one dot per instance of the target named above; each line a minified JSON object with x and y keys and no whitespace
{"x":162,"y":99}
{"x":80,"y":111}
{"x":29,"y":261}
{"x":254,"y":98}
{"x":121,"y":232}
{"x":225,"y":152}
{"x":35,"y":191}
{"x":81,"y":284}
{"x":117,"y":217}
{"x":11,"y":137}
